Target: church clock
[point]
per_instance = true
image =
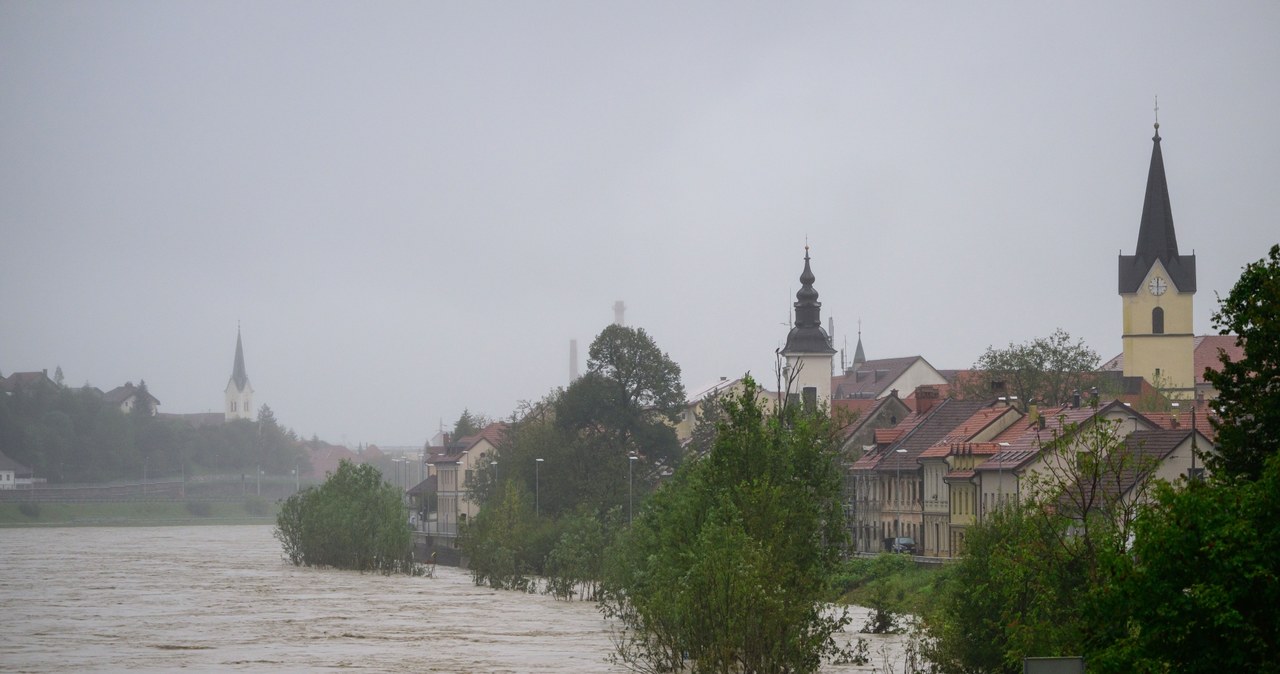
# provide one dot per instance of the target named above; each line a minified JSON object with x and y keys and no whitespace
{"x":1157,"y":286}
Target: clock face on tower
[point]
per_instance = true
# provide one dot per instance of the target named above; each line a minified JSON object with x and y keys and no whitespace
{"x":1157,"y":286}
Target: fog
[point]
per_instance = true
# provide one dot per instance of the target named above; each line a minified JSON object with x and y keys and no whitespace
{"x":411,"y":208}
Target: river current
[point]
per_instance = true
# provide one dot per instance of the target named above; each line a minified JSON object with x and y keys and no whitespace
{"x":218,"y":598}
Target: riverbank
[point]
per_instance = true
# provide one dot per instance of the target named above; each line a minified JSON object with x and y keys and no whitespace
{"x":137,"y":513}
{"x":889,"y":582}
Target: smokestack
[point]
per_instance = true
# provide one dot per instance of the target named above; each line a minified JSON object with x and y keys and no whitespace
{"x":573,"y":360}
{"x":619,"y":311}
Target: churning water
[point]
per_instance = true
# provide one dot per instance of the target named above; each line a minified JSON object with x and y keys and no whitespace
{"x":206,"y":598}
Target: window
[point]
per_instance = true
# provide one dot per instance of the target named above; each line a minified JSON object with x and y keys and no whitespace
{"x":1157,"y":321}
{"x":466,"y":481}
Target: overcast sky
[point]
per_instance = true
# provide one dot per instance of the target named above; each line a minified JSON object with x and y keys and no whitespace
{"x":411,"y":208}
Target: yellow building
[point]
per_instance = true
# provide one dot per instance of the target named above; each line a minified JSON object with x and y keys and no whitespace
{"x":1157,"y":286}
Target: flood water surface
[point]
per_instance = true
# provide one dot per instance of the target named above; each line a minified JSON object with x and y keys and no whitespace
{"x":222,"y":598}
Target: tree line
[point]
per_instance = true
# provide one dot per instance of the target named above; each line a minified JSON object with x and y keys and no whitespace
{"x":73,"y":435}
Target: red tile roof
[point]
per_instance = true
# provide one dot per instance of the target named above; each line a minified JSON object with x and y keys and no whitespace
{"x":1207,"y":349}
{"x":1022,"y":441}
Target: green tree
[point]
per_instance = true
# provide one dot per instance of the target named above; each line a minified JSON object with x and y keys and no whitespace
{"x":468,"y":424}
{"x":1200,"y":590}
{"x":644,"y":378}
{"x":1046,"y":369}
{"x":353,"y":520}
{"x":1248,"y":402}
{"x":727,"y":568}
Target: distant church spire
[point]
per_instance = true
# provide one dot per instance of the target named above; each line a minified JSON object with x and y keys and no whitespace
{"x":239,"y":394}
{"x":1156,"y":237}
{"x":238,"y":374}
{"x":858,"y":356}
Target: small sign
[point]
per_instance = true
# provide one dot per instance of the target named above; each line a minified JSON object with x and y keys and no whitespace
{"x":1071,"y":665}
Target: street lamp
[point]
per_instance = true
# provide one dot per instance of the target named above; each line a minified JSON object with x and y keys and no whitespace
{"x":537,"y":491}
{"x":630,"y":461}
{"x":897,"y":494}
{"x":258,"y":477}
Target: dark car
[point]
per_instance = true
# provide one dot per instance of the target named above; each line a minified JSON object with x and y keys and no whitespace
{"x":903,"y":545}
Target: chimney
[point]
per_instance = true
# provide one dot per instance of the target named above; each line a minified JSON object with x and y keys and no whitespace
{"x":1075,"y":399}
{"x":926,"y":398}
{"x":573,"y":360}
{"x":893,"y":392}
{"x":1033,"y":411}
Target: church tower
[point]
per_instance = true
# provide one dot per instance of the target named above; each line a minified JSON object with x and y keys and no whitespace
{"x":808,"y":350}
{"x":1157,"y":286}
{"x":239,"y":393}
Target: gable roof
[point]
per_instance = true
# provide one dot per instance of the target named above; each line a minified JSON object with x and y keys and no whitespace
{"x":1021,"y":442}
{"x":120,"y":394}
{"x":1139,"y":456}
{"x":1206,"y":352}
{"x":8,"y":464}
{"x":919,"y":433}
{"x":871,"y":378}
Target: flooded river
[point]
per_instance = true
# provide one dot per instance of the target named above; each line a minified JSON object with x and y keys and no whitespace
{"x":207,"y":598}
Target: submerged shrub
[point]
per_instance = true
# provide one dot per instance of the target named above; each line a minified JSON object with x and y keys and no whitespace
{"x":352,"y":521}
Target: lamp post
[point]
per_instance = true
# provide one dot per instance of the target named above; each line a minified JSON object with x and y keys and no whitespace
{"x":897,"y":495}
{"x":1000,"y":469}
{"x":258,"y":485}
{"x":537,"y":488}
{"x":631,"y":459}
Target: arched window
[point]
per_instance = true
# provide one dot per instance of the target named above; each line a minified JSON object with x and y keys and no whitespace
{"x":1157,"y":321}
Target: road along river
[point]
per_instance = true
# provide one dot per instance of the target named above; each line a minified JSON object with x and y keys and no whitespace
{"x":219,"y":598}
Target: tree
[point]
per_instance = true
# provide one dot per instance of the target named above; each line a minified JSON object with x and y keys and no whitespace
{"x":728,"y":566}
{"x":1248,"y":402}
{"x":644,"y":378}
{"x":353,"y":520}
{"x":57,"y":376}
{"x":1200,"y":590}
{"x":468,"y":424}
{"x":1046,"y":369}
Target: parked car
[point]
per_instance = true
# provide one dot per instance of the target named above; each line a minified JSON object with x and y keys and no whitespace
{"x":903,"y":545}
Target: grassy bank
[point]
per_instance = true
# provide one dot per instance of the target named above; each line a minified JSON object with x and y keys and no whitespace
{"x":890,"y":582}
{"x":137,"y":513}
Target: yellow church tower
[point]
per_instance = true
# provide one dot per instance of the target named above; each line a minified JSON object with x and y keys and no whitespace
{"x":1157,"y":286}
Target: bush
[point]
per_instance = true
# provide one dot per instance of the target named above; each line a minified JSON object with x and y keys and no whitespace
{"x":29,"y":509}
{"x":200,"y":508}
{"x":352,"y":521}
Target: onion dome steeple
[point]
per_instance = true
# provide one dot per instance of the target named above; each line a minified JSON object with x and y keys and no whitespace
{"x":1156,"y":237}
{"x":808,"y":336}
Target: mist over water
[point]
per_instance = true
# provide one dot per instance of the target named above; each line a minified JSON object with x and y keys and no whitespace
{"x":222,"y":598}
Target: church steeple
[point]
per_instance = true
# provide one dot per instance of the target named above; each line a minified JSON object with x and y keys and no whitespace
{"x":807,"y":336}
{"x":808,"y":351}
{"x":859,"y":357}
{"x":238,"y":394}
{"x":237,"y":370}
{"x":1157,"y":287}
{"x":1156,"y":237}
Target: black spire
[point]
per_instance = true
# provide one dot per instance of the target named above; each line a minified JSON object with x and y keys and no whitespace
{"x":237,"y":371}
{"x":859,"y":357}
{"x":1156,"y":237}
{"x":808,"y":336}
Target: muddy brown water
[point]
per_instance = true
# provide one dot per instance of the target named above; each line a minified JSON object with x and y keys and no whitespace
{"x":219,"y":598}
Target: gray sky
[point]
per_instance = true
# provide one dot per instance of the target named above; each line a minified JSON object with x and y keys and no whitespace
{"x":411,"y":208}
